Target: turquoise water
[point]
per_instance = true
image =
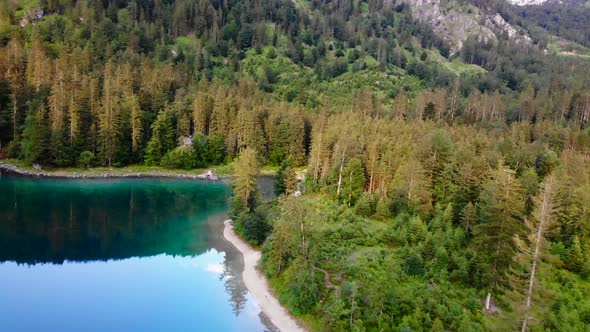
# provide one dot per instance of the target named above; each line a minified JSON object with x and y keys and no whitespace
{"x":119,"y":255}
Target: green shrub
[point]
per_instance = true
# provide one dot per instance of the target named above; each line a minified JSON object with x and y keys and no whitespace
{"x":180,"y":158}
{"x":366,"y":205}
{"x":86,"y":159}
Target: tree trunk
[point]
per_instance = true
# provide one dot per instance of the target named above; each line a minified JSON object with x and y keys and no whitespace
{"x":340,"y":173}
{"x":317,"y":167}
{"x":540,"y":229}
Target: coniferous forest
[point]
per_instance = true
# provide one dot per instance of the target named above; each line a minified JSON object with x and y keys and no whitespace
{"x":443,"y":190}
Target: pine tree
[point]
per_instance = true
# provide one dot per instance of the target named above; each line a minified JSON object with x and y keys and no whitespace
{"x":136,"y":122}
{"x":162,"y":139}
{"x":202,"y":107}
{"x":215,"y":149}
{"x":286,"y":180}
{"x":38,"y":64}
{"x":222,"y":113}
{"x":411,"y":184}
{"x":246,"y":131}
{"x":296,"y":141}
{"x":108,"y":118}
{"x":575,"y":259}
{"x":353,"y":182}
{"x":279,"y":184}
{"x":502,"y":207}
{"x":58,"y":107}
{"x":246,"y":169}
{"x":532,"y":258}
{"x":319,"y":149}
{"x":469,"y":216}
{"x":35,"y":142}
{"x":14,"y":71}
{"x":75,"y":114}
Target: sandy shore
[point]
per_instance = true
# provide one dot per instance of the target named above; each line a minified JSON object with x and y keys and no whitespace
{"x":257,"y":284}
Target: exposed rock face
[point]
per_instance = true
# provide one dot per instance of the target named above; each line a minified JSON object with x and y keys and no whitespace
{"x":31,"y":16}
{"x":456,"y":22}
{"x":528,"y":2}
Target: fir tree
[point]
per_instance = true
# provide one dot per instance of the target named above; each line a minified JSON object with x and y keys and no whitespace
{"x":162,"y":139}
{"x":35,"y":142}
{"x":502,"y":207}
{"x":246,"y":169}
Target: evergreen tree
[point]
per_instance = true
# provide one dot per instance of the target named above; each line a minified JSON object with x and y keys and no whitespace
{"x":529,"y":277}
{"x":412,"y":186}
{"x":286,"y":180}
{"x":502,"y":208}
{"x":132,"y":103}
{"x":279,"y":184}
{"x":353,"y":182}
{"x":162,"y":139}
{"x":215,"y":149}
{"x":109,"y":116}
{"x":246,"y":169}
{"x":35,"y":142}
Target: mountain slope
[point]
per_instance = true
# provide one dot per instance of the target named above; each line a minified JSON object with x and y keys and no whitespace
{"x":566,"y":19}
{"x":456,"y":21}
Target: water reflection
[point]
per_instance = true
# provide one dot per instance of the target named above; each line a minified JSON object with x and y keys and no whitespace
{"x":57,"y":220}
{"x":132,"y":255}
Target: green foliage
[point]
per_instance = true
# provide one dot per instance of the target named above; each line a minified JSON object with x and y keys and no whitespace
{"x":253,"y":225}
{"x":302,"y":292}
{"x":575,"y":259}
{"x":368,"y":281}
{"x":547,"y":162}
{"x":181,"y":158}
{"x":412,"y":221}
{"x":86,"y":159}
{"x":366,"y":205}
{"x":246,"y":168}
{"x":35,"y":140}
{"x":286,"y":180}
{"x":353,"y":182}
{"x":502,"y":210}
{"x":214,"y":150}
{"x":162,"y":139}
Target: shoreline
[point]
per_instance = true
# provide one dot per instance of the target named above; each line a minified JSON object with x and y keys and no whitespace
{"x":208,"y":174}
{"x":257,"y":284}
{"x":107,"y":173}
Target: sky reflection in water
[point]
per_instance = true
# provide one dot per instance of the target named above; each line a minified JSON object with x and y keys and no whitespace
{"x":156,"y":259}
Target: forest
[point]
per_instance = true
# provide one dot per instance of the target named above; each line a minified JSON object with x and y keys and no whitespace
{"x":442,"y":192}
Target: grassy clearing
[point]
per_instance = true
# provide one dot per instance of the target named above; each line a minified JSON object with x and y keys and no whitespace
{"x":564,"y":47}
{"x":455,"y":66}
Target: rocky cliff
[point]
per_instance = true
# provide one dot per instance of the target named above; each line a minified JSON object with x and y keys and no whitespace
{"x":456,"y":21}
{"x":528,"y":2}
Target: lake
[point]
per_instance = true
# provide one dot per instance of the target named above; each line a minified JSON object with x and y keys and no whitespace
{"x":119,"y":255}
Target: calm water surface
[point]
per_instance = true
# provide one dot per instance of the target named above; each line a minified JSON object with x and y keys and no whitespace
{"x":119,"y":255}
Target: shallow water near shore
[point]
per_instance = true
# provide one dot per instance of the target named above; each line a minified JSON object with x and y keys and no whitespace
{"x":119,"y":255}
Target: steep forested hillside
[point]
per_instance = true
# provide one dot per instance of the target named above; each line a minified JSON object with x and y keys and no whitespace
{"x":567,"y":19}
{"x":437,"y":180}
{"x":105,"y":76}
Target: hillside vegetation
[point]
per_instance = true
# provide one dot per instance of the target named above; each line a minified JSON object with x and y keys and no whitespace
{"x":445,"y":189}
